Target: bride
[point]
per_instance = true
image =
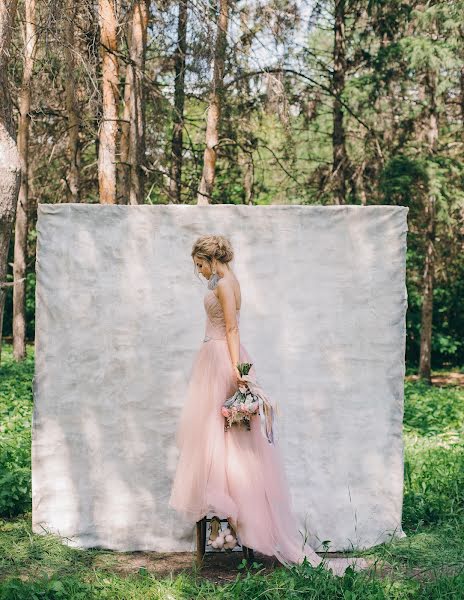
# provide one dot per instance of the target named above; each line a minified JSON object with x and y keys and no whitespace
{"x":235,"y":474}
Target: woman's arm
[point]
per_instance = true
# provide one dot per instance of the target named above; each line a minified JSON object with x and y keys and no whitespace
{"x":226,"y":297}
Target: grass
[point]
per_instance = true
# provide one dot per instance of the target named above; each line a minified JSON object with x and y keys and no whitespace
{"x":427,"y":564}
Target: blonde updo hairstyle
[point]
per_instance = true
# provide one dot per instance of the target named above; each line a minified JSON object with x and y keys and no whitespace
{"x":208,"y":247}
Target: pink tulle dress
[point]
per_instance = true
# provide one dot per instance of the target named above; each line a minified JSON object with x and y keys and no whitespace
{"x":235,"y":474}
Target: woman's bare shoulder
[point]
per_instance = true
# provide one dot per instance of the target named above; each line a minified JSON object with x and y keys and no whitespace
{"x":230,"y":284}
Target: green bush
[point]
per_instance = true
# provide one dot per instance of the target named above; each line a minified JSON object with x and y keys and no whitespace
{"x":434,"y":454}
{"x":430,"y":410}
{"x":434,"y":482}
{"x":15,"y":433}
{"x":15,"y":473}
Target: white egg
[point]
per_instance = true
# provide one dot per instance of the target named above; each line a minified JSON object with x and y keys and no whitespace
{"x":229,"y":537}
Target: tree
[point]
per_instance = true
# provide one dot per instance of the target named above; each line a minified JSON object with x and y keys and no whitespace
{"x":340,"y":157}
{"x":179,"y":101}
{"x":214,"y":109}
{"x":138,"y":45}
{"x":418,"y":76}
{"x":10,"y":164}
{"x":72,"y":111}
{"x":110,"y":82}
{"x":245,"y":159}
{"x":21,"y":225}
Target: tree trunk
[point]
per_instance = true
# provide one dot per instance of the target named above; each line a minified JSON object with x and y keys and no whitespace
{"x":110,"y":81}
{"x":175,"y":183}
{"x":214,"y":110}
{"x":125,"y":139}
{"x":246,"y":165}
{"x":20,"y":240}
{"x":340,"y":158}
{"x":425,"y":363}
{"x":138,"y":45}
{"x":461,"y":81}
{"x":10,"y":165}
{"x":245,"y":159}
{"x":425,"y":366}
{"x":74,"y":150}
{"x":359,"y":183}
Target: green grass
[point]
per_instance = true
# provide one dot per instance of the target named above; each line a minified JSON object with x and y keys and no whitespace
{"x":434,"y":455}
{"x":427,"y":564}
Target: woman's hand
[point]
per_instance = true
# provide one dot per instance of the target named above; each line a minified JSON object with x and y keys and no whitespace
{"x":238,"y":375}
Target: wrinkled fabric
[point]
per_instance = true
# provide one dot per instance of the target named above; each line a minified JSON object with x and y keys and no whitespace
{"x":119,"y":318}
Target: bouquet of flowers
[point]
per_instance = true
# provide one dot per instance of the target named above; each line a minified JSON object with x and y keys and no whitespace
{"x":247,"y":401}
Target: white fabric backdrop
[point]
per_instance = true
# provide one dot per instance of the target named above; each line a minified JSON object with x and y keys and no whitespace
{"x":119,"y":317}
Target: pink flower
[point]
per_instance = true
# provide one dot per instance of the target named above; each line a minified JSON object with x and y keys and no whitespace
{"x":225,"y":411}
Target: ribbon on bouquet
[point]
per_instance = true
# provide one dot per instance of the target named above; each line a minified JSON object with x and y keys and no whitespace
{"x":267,"y":410}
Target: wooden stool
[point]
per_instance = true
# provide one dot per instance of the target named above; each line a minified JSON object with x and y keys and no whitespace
{"x":248,"y":553}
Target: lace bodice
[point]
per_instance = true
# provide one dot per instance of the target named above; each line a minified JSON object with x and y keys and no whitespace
{"x":215,"y":324}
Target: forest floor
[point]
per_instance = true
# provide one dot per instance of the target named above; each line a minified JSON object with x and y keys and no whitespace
{"x":442,"y":379}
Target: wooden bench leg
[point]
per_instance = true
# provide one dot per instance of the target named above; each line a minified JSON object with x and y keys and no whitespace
{"x":203,"y":534}
{"x":201,"y":540}
{"x":248,"y":554}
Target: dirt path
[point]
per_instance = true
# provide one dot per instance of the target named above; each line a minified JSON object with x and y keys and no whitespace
{"x":440,"y":379}
{"x":218,"y":567}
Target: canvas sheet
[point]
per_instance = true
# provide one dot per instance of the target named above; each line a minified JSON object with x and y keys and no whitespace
{"x":120,"y":317}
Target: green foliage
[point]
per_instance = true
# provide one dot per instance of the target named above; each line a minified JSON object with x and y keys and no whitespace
{"x":404,"y":180}
{"x":29,"y":289}
{"x":434,"y":486}
{"x":434,"y":454}
{"x":408,"y":181}
{"x":47,"y":588}
{"x":15,"y":474}
{"x":15,"y":433}
{"x":301,"y":581}
{"x":432,"y":411}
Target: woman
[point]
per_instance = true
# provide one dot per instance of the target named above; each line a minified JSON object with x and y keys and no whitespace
{"x":235,"y":474}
